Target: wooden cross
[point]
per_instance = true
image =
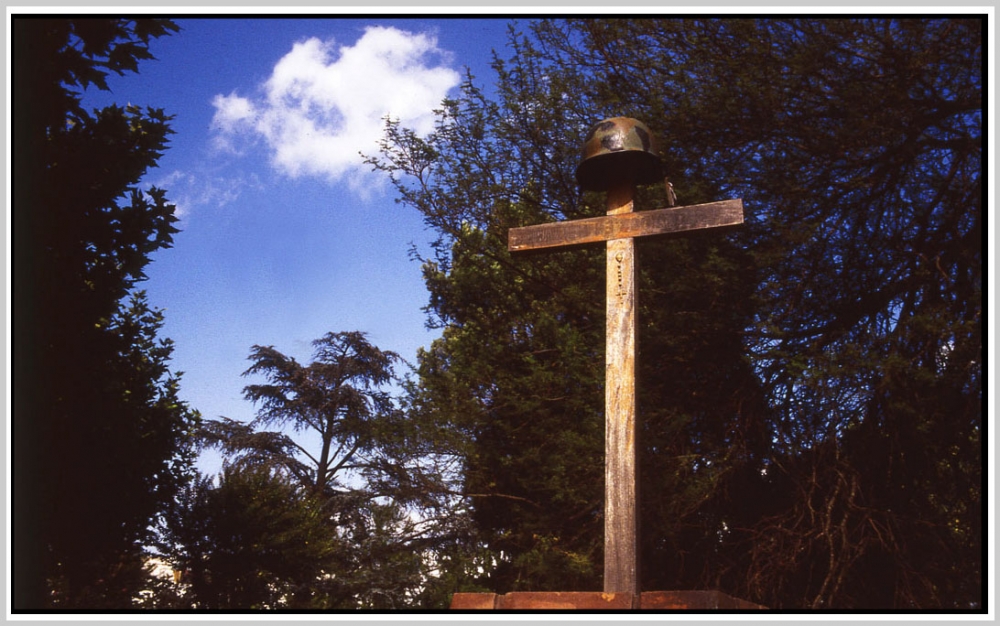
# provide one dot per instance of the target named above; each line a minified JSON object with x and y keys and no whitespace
{"x":618,"y":229}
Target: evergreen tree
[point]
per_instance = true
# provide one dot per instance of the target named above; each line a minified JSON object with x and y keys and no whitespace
{"x":809,"y":386}
{"x":255,"y":540}
{"x":518,"y":374}
{"x":338,"y":398}
{"x":100,"y":441}
{"x":857,"y":146}
{"x":345,"y":425}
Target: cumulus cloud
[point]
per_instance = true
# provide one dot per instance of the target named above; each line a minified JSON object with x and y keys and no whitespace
{"x":324,"y":103}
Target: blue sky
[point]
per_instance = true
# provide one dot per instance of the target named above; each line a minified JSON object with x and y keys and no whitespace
{"x":286,"y":235}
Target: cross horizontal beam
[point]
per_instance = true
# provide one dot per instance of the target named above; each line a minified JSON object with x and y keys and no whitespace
{"x":626,"y":225}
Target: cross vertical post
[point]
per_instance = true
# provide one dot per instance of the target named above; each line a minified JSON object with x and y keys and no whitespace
{"x":619,"y":154}
{"x":620,"y":510}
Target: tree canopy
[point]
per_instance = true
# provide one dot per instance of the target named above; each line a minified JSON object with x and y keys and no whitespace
{"x":255,"y":540}
{"x":338,"y":398}
{"x":809,"y":386}
{"x":100,"y":436}
{"x":331,"y":435}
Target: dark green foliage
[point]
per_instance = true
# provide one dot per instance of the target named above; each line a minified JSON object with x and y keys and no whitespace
{"x":856,"y":145}
{"x":384,"y":565}
{"x":353,"y":469}
{"x":253,"y":541}
{"x":99,"y":433}
{"x":518,"y":373}
{"x":536,"y":477}
{"x":337,"y":398}
{"x":809,"y":386}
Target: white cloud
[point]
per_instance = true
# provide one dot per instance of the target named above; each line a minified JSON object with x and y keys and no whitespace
{"x":323,"y":103}
{"x":232,"y":110}
{"x":188,"y":190}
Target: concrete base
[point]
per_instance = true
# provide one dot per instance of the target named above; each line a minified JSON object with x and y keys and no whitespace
{"x":595,"y":600}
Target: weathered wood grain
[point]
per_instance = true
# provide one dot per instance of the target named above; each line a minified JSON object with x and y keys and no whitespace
{"x":626,"y":224}
{"x":620,"y":536}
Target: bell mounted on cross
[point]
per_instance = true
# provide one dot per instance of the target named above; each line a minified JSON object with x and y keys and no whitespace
{"x":619,"y":150}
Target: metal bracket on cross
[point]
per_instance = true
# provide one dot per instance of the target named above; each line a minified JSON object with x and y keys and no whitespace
{"x":618,"y":154}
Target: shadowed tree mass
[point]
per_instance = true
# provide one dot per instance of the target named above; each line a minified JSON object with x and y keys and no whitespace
{"x":100,"y":437}
{"x":809,"y":387}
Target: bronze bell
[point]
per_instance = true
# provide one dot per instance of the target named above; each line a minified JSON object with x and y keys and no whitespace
{"x":616,"y":151}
